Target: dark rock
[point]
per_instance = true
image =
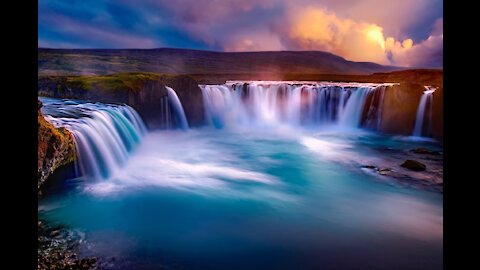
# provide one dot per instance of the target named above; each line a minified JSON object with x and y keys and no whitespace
{"x":414,"y":165}
{"x":369,"y":167}
{"x":57,"y":249}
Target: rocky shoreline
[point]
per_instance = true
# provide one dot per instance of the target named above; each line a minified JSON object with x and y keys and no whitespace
{"x":57,"y":249}
{"x":419,"y":168}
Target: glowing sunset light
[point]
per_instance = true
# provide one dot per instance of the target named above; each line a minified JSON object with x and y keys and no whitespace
{"x":375,"y":33}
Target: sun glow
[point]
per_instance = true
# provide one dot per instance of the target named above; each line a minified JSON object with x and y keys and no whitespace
{"x":375,"y":33}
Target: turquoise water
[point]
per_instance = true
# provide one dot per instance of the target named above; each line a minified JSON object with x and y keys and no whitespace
{"x":258,"y":198}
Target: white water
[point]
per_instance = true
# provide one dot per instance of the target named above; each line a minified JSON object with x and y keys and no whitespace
{"x":352,"y":112}
{"x":426,"y":100}
{"x":375,"y":109}
{"x":292,"y":103}
{"x":177,"y":108}
{"x":104,"y":134}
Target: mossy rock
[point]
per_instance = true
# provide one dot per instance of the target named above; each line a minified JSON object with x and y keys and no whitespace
{"x":56,"y":147}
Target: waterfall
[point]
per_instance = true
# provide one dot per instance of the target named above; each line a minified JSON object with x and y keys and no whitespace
{"x":104,"y":134}
{"x":292,"y":103}
{"x":426,"y":103}
{"x":352,"y":112}
{"x":375,"y":108}
{"x":177,"y":108}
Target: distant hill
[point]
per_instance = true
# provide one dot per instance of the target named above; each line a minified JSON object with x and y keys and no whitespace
{"x":183,"y":61}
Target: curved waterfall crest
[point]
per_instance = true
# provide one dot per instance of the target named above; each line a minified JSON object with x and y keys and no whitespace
{"x":172,"y":113}
{"x":104,"y":134}
{"x":177,"y":108}
{"x":423,"y":120}
{"x":293,"y":103}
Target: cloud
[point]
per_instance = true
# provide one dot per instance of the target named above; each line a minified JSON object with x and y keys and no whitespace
{"x":114,"y":38}
{"x":320,"y":29}
{"x":400,"y":19}
{"x":428,"y":53}
{"x":405,"y":33}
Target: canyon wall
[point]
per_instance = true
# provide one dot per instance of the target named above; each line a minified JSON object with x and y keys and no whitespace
{"x":400,"y":107}
{"x":142,"y":91}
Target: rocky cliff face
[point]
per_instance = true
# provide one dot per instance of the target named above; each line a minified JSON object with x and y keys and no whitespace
{"x":437,"y":124}
{"x":142,"y":91}
{"x":400,"y":109}
{"x":55,"y":148}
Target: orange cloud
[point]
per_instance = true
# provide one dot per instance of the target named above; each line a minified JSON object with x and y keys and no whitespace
{"x":319,"y":29}
{"x":314,"y":28}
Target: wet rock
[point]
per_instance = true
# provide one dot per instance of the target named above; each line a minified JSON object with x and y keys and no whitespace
{"x":414,"y":165}
{"x":369,"y":167}
{"x":384,"y":171}
{"x":57,"y":249}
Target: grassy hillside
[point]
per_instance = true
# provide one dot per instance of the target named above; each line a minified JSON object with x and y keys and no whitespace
{"x":182,"y":61}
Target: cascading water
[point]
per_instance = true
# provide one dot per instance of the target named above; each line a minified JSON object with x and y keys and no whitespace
{"x":105,"y":134}
{"x":244,"y":192}
{"x":293,"y":103}
{"x":375,"y":108}
{"x":173,"y":113}
{"x":424,"y":112}
{"x":352,"y":112}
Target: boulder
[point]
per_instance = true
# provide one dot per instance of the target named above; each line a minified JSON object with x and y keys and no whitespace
{"x":414,"y":165}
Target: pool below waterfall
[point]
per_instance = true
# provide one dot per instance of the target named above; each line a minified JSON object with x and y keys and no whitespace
{"x":275,"y":196}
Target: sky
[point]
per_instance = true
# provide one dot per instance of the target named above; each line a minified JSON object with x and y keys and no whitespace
{"x":391,"y":32}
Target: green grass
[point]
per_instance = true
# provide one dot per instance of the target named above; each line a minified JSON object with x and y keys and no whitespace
{"x":132,"y":81}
